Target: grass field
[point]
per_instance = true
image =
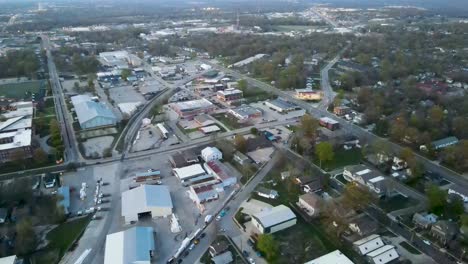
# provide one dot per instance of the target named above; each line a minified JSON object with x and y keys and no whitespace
{"x":396,"y":203}
{"x":63,"y":236}
{"x":23,"y":90}
{"x":342,"y":158}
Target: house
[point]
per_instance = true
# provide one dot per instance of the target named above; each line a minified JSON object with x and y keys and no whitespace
{"x":223,"y":258}
{"x":221,"y":172}
{"x":424,"y":220}
{"x":310,"y":203}
{"x":383,"y":255}
{"x":182,"y":159}
{"x":274,"y":219}
{"x":134,"y":245}
{"x":303,"y":180}
{"x":10,"y":260}
{"x":3,"y":215}
{"x":229,"y":95}
{"x":267,"y":193}
{"x":200,"y":194}
{"x":329,"y":123}
{"x":443,"y":143}
{"x":92,"y":114}
{"x":209,"y":129}
{"x":445,"y":231}
{"x":461,"y":191}
{"x":190,"y":109}
{"x":245,"y":112}
{"x":281,"y":105}
{"x":378,"y":185}
{"x":334,"y":257}
{"x":218,"y":247}
{"x":241,"y":158}
{"x":366,"y":176}
{"x":314,"y":186}
{"x":308,"y":95}
{"x":341,"y":110}
{"x":203,"y":120}
{"x":211,"y":153}
{"x":368,"y":244}
{"x":363,"y":225}
{"x":152,"y":200}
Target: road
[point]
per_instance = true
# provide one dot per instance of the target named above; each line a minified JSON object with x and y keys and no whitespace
{"x":226,"y":222}
{"x":365,"y":135}
{"x":328,"y":93}
{"x":65,"y":120}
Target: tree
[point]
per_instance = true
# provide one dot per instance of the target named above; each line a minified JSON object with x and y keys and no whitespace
{"x":26,"y":240}
{"x":91,"y":87}
{"x":269,"y":246}
{"x":242,"y":84}
{"x":407,"y":154}
{"x":436,"y":115}
{"x":324,"y":152}
{"x":240,"y":143}
{"x":437,"y":199}
{"x":125,"y":73}
{"x":356,"y":196}
{"x":40,"y":157}
{"x":309,"y":125}
{"x":455,"y":207}
{"x":254,"y":131}
{"x":76,"y":85}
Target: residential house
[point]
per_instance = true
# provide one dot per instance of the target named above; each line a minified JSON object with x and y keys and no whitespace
{"x":310,"y":203}
{"x":182,"y":159}
{"x":335,"y":257}
{"x":211,"y":153}
{"x":424,"y":220}
{"x":363,"y":225}
{"x":303,"y":180}
{"x":366,"y":176}
{"x":218,"y":247}
{"x":314,"y":186}
{"x":3,"y":215}
{"x":368,"y":244}
{"x":267,"y":193}
{"x":445,"y":231}
{"x":241,"y":158}
{"x":383,"y":255}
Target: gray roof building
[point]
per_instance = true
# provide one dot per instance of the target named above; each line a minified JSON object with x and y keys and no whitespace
{"x":445,"y":142}
{"x":92,"y":114}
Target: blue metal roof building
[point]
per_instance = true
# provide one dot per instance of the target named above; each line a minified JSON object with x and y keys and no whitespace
{"x":64,"y":191}
{"x":134,"y":245}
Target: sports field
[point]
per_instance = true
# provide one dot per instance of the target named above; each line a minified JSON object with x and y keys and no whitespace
{"x":23,"y":90}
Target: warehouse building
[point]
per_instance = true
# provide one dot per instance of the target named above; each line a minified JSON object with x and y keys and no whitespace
{"x":189,"y":172}
{"x":92,"y":114}
{"x":146,"y":200}
{"x":280,"y":105}
{"x":274,"y":219}
{"x":245,"y":112}
{"x":221,"y":172}
{"x":335,"y":257}
{"x":134,"y":245}
{"x":189,"y":109}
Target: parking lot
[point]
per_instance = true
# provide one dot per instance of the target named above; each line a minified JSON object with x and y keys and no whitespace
{"x":272,"y":115}
{"x":125,"y":94}
{"x":150,"y":137}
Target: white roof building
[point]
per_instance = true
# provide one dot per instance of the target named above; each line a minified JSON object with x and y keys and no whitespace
{"x":153,"y":199}
{"x":186,"y":173}
{"x":8,"y":260}
{"x":15,"y":139}
{"x":335,"y":257}
{"x":211,"y":153}
{"x":16,"y":123}
{"x":383,"y":255}
{"x":132,"y":246}
{"x":274,"y":219}
{"x":368,"y":244}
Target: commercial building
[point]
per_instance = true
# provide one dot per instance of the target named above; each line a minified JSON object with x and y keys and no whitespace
{"x":182,"y":159}
{"x":281,"y":105}
{"x":119,"y":59}
{"x":16,"y":123}
{"x":203,"y":193}
{"x":229,"y":95}
{"x":383,"y":255}
{"x":329,"y":123}
{"x":203,"y":120}
{"x":15,"y":144}
{"x":245,"y":112}
{"x":368,"y":244}
{"x":274,"y":219}
{"x":221,"y":172}
{"x":335,"y":257}
{"x":134,"y":245}
{"x":341,"y":110}
{"x":189,"y":109}
{"x":151,"y":200}
{"x":211,"y":153}
{"x":92,"y":114}
{"x":445,"y":142}
{"x":189,"y":172}
{"x":308,"y":95}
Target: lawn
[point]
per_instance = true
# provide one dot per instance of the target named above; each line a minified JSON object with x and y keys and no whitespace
{"x":341,"y":159}
{"x":23,"y":90}
{"x":63,"y":236}
{"x":410,"y":248}
{"x":396,"y":203}
{"x":229,"y":121}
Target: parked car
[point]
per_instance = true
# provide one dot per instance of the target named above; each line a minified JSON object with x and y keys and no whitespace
{"x":251,"y":261}
{"x":202,"y":235}
{"x":245,"y":253}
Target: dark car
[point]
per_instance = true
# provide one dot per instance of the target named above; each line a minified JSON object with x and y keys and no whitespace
{"x":245,"y":253}
{"x":250,"y":243}
{"x":179,"y":261}
{"x":202,"y":235}
{"x":186,"y":253}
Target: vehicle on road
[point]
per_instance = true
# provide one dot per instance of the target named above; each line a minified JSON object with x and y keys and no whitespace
{"x":245,"y":253}
{"x":202,"y":235}
{"x":191,"y":247}
{"x":196,"y":241}
{"x":251,"y":261}
{"x":218,"y":218}
{"x":250,"y":243}
{"x":427,"y":242}
{"x":208,"y":219}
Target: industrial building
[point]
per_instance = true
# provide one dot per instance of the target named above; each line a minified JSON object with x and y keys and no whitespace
{"x":203,"y":193}
{"x":281,"y":105}
{"x":229,"y":95}
{"x":329,"y":123}
{"x":189,"y":109}
{"x":15,"y":144}
{"x":134,"y":245}
{"x":92,"y":114}
{"x":335,"y":257}
{"x":245,"y":112}
{"x":274,"y":219}
{"x":151,"y":200}
{"x":221,"y":172}
{"x":189,"y":172}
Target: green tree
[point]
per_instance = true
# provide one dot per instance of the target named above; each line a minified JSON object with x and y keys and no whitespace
{"x":240,"y":143}
{"x":242,"y":85}
{"x":26,"y":240}
{"x":437,"y":199}
{"x":356,"y":196}
{"x":269,"y":246}
{"x":309,"y":125}
{"x":40,"y":157}
{"x":324,"y":152}
{"x":126,"y":73}
{"x":254,"y":131}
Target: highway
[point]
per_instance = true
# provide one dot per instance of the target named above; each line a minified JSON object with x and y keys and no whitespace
{"x":65,"y":120}
{"x":365,"y":135}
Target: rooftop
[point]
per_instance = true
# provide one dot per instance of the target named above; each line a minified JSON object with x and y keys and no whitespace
{"x":136,"y":200}
{"x":15,"y":123}
{"x":281,"y":103}
{"x":189,"y":171}
{"x":130,"y":246}
{"x":192,"y":105}
{"x":275,"y":215}
{"x":15,"y":139}
{"x":335,"y":257}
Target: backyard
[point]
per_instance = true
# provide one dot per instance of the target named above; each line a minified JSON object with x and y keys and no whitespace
{"x":341,"y":159}
{"x":396,"y":202}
